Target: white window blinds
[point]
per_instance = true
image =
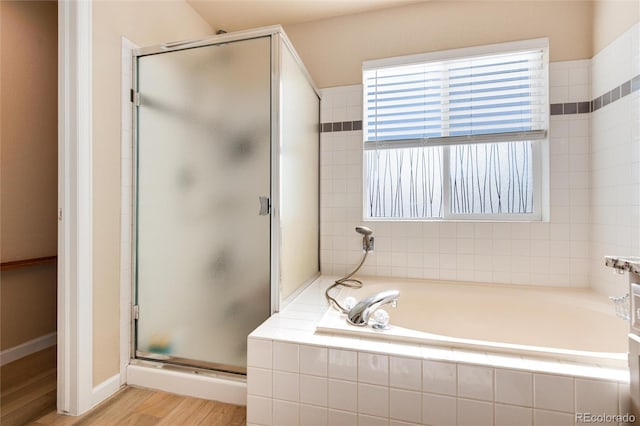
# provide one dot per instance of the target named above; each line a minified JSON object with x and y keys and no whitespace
{"x":496,"y":97}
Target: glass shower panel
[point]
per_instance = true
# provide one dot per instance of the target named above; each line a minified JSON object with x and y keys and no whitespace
{"x":299,"y":176}
{"x":203,"y":161}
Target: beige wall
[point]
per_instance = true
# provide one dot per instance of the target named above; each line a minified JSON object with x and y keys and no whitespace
{"x":333,"y":49}
{"x":28,"y":169}
{"x":29,"y":129}
{"x":611,"y":19}
{"x":145,"y":23}
{"x":28,"y":308}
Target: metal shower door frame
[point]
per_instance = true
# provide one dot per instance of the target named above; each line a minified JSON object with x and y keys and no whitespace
{"x":277,"y":36}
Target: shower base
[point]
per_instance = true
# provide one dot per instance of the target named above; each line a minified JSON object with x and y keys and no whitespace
{"x":197,"y":383}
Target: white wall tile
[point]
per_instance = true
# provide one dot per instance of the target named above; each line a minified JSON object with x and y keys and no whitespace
{"x":558,"y":75}
{"x":259,"y":381}
{"x":510,"y":415}
{"x":475,"y":382}
{"x":373,"y":400}
{"x":285,"y":357}
{"x":343,"y":395}
{"x":594,"y":396}
{"x":343,"y":364}
{"x":313,"y":416}
{"x":314,"y":360}
{"x":513,"y":387}
{"x":405,"y":405}
{"x":439,"y":410}
{"x":552,"y":418}
{"x":553,"y":392}
{"x":614,"y":64}
{"x":259,"y":353}
{"x":342,"y":418}
{"x":364,"y":420}
{"x":439,"y":377}
{"x":624,"y":399}
{"x":405,"y":373}
{"x":373,"y":368}
{"x":286,"y":386}
{"x":393,"y":422}
{"x":285,"y":413}
{"x":259,"y":410}
{"x":313,"y":390}
{"x":474,"y":413}
{"x":613,"y":218}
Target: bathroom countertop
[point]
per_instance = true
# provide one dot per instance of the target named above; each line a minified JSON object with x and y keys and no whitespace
{"x":623,"y":263}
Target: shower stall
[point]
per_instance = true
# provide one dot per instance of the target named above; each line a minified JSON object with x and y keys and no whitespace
{"x":226,"y":174}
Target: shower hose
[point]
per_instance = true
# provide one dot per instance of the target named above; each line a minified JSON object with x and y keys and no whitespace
{"x":346,"y":281}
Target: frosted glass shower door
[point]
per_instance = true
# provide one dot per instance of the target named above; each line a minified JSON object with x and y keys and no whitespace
{"x":203,"y":162}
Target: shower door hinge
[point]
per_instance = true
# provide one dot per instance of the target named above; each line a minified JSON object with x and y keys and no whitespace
{"x":136,"y":312}
{"x":265,"y":205}
{"x":135,"y":97}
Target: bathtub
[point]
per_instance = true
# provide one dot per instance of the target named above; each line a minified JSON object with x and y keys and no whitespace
{"x":555,"y":323}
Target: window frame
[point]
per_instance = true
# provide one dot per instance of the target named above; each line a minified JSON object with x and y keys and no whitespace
{"x":539,"y":146}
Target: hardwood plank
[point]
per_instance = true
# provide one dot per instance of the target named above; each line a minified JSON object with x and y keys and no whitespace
{"x":239,"y":416}
{"x":160,"y":404}
{"x":224,"y":415}
{"x":135,"y":406}
{"x":15,"y":373}
{"x":191,"y":411}
{"x":23,"y":397}
{"x":33,"y":409}
{"x":116,"y":408}
{"x":139,"y":419}
{"x":48,"y":375}
{"x":53,"y":418}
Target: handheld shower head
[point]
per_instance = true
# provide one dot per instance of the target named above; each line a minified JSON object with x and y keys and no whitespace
{"x":367,"y":246}
{"x":367,"y":239}
{"x":363,"y":230}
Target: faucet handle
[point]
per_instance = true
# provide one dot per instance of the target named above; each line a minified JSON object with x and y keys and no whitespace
{"x":380,"y":319}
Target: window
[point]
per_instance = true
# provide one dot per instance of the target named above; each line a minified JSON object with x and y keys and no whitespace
{"x":456,"y":134}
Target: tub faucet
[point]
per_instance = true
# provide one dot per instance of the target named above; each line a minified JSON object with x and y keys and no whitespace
{"x":360,"y":313}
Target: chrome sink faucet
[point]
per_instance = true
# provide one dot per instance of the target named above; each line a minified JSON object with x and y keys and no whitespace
{"x":362,"y":311}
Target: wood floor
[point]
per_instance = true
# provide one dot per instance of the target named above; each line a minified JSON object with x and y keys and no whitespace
{"x":141,"y":407}
{"x":28,"y":388}
{"x":28,"y":397}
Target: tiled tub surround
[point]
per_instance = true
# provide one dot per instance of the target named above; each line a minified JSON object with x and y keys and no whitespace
{"x":296,"y":376}
{"x":615,"y":163}
{"x":589,"y":218}
{"x":554,"y":253}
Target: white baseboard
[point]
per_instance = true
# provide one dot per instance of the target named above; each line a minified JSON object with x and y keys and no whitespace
{"x":189,"y":384}
{"x":105,"y":389}
{"x":28,"y":348}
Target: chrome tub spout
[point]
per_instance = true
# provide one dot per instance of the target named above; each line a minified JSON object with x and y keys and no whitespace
{"x":362,"y":311}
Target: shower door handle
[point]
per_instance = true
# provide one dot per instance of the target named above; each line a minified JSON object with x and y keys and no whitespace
{"x":265,"y":205}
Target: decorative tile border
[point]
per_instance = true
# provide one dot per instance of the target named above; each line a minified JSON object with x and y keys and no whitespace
{"x":341,"y":126}
{"x":601,"y":101}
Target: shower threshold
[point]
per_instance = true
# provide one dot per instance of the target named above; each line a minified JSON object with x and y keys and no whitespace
{"x":189,"y":364}
{"x":188,"y":380}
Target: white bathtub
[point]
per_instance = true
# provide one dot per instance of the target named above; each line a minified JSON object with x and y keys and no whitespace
{"x":556,"y":323}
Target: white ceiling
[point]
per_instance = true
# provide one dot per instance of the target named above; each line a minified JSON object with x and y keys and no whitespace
{"x":233,"y":15}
